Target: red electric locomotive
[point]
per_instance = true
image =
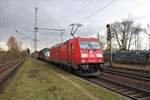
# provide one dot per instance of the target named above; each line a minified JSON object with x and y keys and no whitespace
{"x":83,"y":55}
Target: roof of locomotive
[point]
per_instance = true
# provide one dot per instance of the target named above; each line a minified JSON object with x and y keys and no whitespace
{"x":88,"y":39}
{"x":81,"y":39}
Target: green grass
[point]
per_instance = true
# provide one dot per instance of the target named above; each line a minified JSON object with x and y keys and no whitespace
{"x":37,"y":80}
{"x":96,"y":90}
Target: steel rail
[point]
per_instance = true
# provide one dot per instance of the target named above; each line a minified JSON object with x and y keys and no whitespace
{"x":7,"y":70}
{"x":132,"y":75}
{"x":132,"y":69}
{"x":2,"y":65}
{"x":110,"y":84}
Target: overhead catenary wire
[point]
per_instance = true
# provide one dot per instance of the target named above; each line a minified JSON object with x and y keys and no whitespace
{"x":141,"y":17}
{"x":86,"y":4}
{"x":130,"y":8}
{"x":37,"y":28}
{"x":4,"y":24}
{"x":28,"y":37}
{"x":48,"y":16}
{"x":137,"y":5}
{"x":24,"y":35}
{"x":82,"y":8}
{"x":97,"y":11}
{"x":62,"y":31}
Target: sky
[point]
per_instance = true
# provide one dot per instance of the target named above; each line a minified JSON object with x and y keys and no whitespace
{"x":59,"y":14}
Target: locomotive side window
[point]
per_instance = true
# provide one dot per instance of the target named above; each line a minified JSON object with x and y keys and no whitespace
{"x":71,"y":46}
{"x":89,"y":45}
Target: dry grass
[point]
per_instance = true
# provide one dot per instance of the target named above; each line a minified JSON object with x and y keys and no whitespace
{"x":37,"y":80}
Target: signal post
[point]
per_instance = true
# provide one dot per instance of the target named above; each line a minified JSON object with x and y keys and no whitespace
{"x":109,"y":41}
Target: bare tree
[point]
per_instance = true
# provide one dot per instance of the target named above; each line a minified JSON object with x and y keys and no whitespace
{"x":124,"y":32}
{"x":12,"y":43}
{"x":147,"y":31}
{"x":14,"y":48}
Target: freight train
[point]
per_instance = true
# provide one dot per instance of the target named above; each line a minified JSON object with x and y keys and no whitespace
{"x":84,"y":56}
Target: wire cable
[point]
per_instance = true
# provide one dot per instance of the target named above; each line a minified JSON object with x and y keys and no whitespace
{"x":4,"y":23}
{"x":83,"y":8}
{"x":107,"y":5}
{"x":141,"y":17}
{"x":137,"y":5}
{"x":49,"y":17}
{"x":130,"y":8}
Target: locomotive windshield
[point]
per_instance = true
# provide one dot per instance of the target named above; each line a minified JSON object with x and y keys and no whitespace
{"x":89,"y":45}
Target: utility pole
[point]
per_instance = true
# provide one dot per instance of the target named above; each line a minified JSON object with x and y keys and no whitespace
{"x":109,"y":37}
{"x":35,"y":30}
{"x":98,"y":36}
{"x":74,"y":28}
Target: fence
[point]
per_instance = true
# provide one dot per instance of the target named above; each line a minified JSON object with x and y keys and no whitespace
{"x":129,"y":57}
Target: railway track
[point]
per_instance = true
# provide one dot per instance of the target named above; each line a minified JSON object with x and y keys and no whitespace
{"x":129,"y":69}
{"x":134,"y":84}
{"x":124,"y":89}
{"x":127,"y":90}
{"x":7,"y":69}
{"x":134,"y":74}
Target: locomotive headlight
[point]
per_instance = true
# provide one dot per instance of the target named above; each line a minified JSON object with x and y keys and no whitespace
{"x":84,"y":55}
{"x":83,"y":61}
{"x":99,"y":55}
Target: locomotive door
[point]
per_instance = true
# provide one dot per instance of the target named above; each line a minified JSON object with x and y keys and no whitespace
{"x":71,"y":48}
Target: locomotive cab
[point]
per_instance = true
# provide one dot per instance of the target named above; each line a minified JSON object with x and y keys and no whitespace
{"x":91,"y":56}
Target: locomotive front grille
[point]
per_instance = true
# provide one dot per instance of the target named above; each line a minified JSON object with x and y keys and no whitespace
{"x":90,"y":68}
